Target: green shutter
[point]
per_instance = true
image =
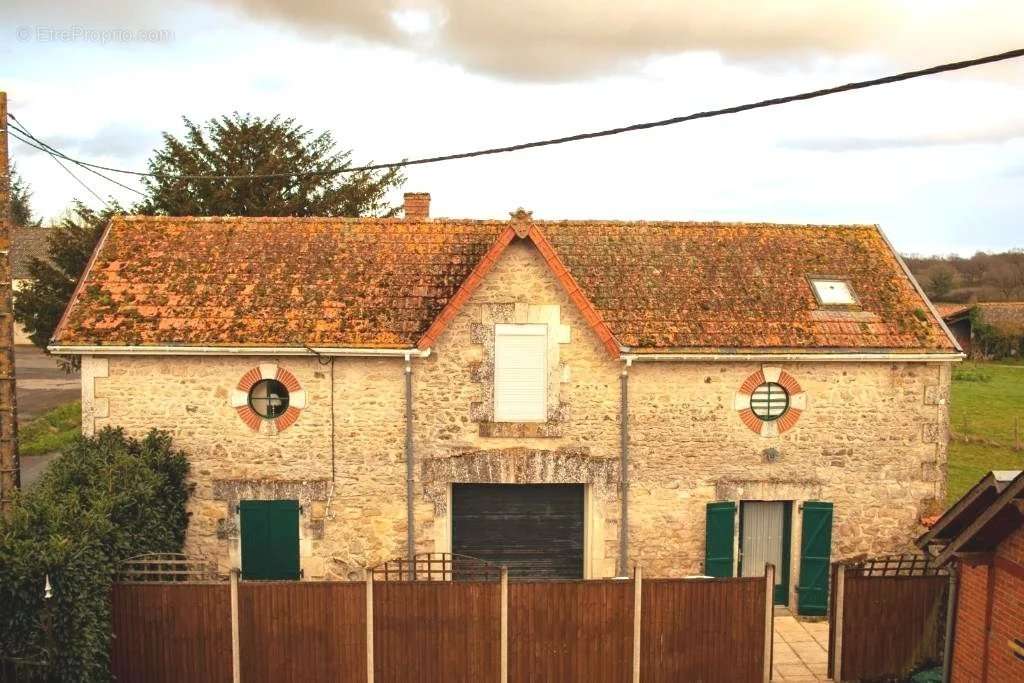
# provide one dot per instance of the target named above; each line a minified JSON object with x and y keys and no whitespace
{"x":815,"y":558}
{"x":270,"y":539}
{"x":720,"y":537}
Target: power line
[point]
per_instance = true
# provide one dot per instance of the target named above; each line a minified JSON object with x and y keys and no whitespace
{"x":50,"y":149}
{"x":61,"y":164}
{"x":775,"y":101}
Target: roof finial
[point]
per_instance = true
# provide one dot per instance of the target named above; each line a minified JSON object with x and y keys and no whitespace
{"x":521,"y":221}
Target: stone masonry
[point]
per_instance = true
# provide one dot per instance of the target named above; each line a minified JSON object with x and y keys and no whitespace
{"x":872,"y":439}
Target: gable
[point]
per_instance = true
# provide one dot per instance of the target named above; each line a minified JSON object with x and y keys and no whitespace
{"x":554,"y":263}
{"x":396,"y":284}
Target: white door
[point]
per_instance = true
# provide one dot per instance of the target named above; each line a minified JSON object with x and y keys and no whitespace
{"x":763,"y":524}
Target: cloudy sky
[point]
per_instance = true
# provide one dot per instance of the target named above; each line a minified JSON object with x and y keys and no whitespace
{"x":939,"y":162}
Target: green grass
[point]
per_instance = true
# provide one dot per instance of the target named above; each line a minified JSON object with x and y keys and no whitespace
{"x":51,"y":431}
{"x":986,"y":397}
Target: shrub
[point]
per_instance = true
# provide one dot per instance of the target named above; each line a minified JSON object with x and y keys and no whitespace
{"x":969,"y":373}
{"x":105,"y":499}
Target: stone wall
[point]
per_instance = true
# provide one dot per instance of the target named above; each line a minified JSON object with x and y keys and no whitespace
{"x":871,"y":440}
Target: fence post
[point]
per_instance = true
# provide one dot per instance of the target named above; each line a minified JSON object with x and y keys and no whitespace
{"x":638,"y":577}
{"x":504,"y":625}
{"x":769,"y":619}
{"x":837,"y":637}
{"x":236,"y":655}
{"x":1016,"y":433}
{"x":369,"y":626}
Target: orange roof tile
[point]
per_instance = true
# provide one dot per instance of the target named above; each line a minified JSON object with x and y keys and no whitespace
{"x":394,"y":283}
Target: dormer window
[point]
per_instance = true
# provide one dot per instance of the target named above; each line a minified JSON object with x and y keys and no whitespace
{"x":833,"y":292}
{"x":520,"y":373}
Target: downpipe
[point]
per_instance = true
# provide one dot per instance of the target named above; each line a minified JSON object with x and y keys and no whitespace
{"x":623,"y":569}
{"x":947,"y":648}
{"x":410,"y":469}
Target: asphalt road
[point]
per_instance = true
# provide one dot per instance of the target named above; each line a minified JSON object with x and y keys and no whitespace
{"x":41,"y":385}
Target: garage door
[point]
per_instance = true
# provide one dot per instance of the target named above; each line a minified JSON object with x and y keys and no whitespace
{"x":536,"y":530}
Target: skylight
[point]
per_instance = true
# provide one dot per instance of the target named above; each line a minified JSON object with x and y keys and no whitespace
{"x":833,"y":292}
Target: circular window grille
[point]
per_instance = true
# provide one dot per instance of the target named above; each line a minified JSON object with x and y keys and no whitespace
{"x":268,"y":398}
{"x":770,"y":401}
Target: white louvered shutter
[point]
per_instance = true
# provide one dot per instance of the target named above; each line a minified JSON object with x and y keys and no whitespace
{"x":520,"y":373}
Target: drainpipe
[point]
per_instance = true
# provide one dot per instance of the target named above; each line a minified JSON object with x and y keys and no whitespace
{"x":409,"y":470}
{"x":947,"y":654}
{"x":624,"y":468}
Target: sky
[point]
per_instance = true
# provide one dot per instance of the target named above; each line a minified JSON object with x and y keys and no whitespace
{"x":937,"y":162}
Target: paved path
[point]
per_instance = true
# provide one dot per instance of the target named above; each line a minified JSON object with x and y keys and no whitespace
{"x":800,"y":650}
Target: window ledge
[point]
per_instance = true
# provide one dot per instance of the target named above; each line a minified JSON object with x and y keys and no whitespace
{"x":520,"y":430}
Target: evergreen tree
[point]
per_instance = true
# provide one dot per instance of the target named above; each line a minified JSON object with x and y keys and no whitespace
{"x":40,"y":303}
{"x":238,"y":145}
{"x":21,"y":195}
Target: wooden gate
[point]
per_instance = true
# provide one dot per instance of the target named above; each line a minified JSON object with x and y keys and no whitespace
{"x":888,"y":619}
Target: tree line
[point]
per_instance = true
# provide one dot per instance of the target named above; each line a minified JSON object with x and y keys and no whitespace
{"x":969,"y":279}
{"x":313,"y":183}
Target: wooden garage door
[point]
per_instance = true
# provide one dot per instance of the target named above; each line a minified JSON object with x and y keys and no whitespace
{"x":536,"y":530}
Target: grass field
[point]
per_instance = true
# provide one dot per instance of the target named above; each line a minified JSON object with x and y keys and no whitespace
{"x":51,"y":431}
{"x":986,"y":399}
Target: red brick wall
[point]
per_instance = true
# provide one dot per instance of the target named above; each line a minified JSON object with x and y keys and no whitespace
{"x":970,"y":623}
{"x":1007,"y":617}
{"x":1007,"y":612}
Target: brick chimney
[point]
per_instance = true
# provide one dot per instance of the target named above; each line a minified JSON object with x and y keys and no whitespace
{"x":417,"y":206}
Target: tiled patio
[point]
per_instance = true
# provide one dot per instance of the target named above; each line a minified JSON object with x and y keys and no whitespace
{"x":800,"y":650}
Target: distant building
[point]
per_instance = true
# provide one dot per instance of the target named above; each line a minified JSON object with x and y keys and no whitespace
{"x":28,"y":243}
{"x":958,"y":319}
{"x":983,"y":533}
{"x":1006,"y":317}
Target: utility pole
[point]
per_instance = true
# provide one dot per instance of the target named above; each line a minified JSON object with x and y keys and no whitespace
{"x":10,"y":472}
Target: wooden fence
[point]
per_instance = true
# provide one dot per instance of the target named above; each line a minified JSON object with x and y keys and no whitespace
{"x":567,"y":631}
{"x":885,"y":627}
{"x":171,"y":632}
{"x":302,"y":631}
{"x":690,"y":629}
{"x":594,"y":631}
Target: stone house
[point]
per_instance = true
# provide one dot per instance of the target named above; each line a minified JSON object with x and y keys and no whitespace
{"x":563,"y":397}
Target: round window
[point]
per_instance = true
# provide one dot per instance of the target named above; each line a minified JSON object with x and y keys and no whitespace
{"x":268,"y":398}
{"x":770,"y":401}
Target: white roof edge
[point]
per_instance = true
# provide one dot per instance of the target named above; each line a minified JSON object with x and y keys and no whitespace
{"x":919,"y":289}
{"x":796,"y":357}
{"x":75,"y":350}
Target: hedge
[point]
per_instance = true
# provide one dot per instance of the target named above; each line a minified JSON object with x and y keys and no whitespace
{"x":106,"y":498}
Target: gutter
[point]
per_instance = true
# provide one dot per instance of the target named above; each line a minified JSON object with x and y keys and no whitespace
{"x":175,"y":350}
{"x":883,"y":357}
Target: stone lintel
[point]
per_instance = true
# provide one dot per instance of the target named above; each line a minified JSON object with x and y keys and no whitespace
{"x":768,"y":489}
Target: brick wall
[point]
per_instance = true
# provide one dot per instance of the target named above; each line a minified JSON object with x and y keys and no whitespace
{"x":981,"y":636}
{"x":969,"y":641}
